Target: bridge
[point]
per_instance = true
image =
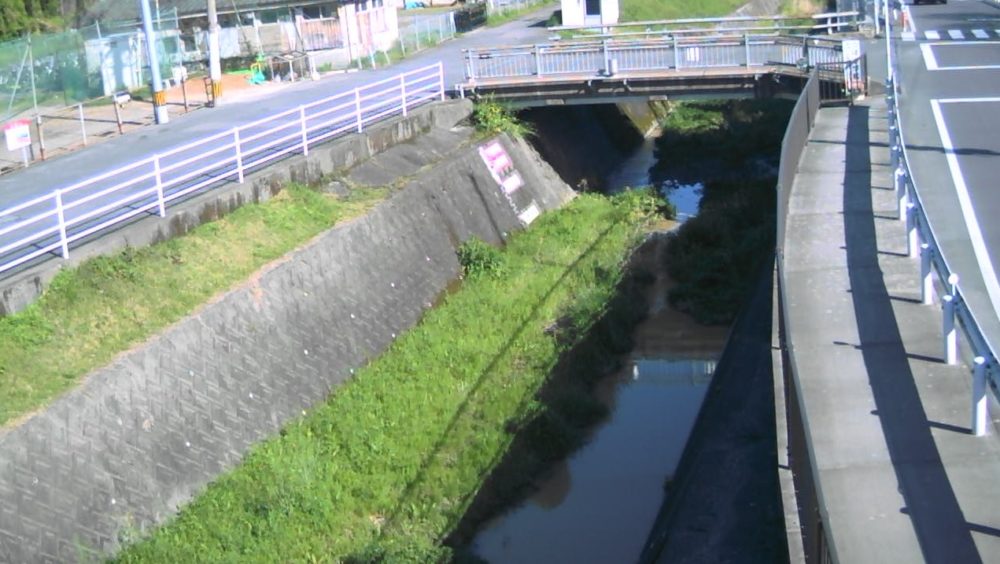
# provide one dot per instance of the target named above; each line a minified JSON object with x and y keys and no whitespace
{"x":675,"y":66}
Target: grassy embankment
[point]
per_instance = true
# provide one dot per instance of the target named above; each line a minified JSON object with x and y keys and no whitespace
{"x":91,"y":313}
{"x":385,"y":468}
{"x":734,"y":146}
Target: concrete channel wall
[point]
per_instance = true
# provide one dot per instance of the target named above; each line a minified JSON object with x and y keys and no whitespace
{"x":138,"y":438}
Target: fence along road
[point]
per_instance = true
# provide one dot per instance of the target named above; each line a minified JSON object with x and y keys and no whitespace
{"x":54,"y":221}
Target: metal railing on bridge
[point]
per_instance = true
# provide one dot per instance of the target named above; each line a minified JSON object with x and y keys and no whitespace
{"x":51,"y":223}
{"x":827,"y":22}
{"x":611,"y":57}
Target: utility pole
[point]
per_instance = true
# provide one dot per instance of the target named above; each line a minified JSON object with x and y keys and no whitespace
{"x":156,"y":85}
{"x":214,"y":65}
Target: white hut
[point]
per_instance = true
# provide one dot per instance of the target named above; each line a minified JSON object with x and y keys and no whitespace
{"x":589,"y":12}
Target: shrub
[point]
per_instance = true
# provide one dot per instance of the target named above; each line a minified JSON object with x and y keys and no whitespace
{"x":479,"y":258}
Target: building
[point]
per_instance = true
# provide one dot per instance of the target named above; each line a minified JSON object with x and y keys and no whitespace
{"x":589,"y":12}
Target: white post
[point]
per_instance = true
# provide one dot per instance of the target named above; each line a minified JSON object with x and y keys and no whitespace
{"x":901,"y":198}
{"x":677,"y":55}
{"x":878,"y":25}
{"x":980,"y":405}
{"x":888,"y":41}
{"x":357,"y":108}
{"x":538,"y":60}
{"x":926,"y":280}
{"x":746,"y":48}
{"x":239,"y":154}
{"x":912,"y":233}
{"x":950,"y":333}
{"x":61,"y":216}
{"x":402,"y":93}
{"x":159,"y":185}
{"x":83,"y":125}
{"x":305,"y":133}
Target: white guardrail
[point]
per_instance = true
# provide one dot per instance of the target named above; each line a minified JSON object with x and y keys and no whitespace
{"x":610,"y":57}
{"x":53,"y":222}
{"x":922,"y":242}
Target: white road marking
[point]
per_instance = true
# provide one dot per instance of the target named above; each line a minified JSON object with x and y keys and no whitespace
{"x":980,"y":34}
{"x":929,"y":61}
{"x":908,"y":36}
{"x":931,"y":34}
{"x":975,"y":234}
{"x":909,"y":23}
{"x":956,"y":34}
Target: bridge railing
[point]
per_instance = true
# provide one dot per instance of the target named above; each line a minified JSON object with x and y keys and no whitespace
{"x":610,"y":57}
{"x":827,"y":21}
{"x":52,"y":223}
{"x":922,"y":242}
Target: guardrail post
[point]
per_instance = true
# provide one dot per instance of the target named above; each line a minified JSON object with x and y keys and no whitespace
{"x":926,"y":279}
{"x":912,"y":234}
{"x":83,"y":124}
{"x":950,"y":333}
{"x":607,"y":58}
{"x":305,"y":132}
{"x":901,"y":198}
{"x":357,"y":109}
{"x":159,"y":186}
{"x":402,"y":93}
{"x":980,"y":406}
{"x":239,"y":154}
{"x":61,"y":216}
{"x":470,"y":69}
{"x":746,"y":48}
{"x":677,"y":55}
{"x":538,"y":60}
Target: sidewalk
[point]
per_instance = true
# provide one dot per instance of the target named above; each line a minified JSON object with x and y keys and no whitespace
{"x":899,"y":478}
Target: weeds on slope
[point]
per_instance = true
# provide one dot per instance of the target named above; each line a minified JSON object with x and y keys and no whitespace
{"x":383,"y":470}
{"x":91,"y":313}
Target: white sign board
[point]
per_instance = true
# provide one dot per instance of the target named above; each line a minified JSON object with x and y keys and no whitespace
{"x":17,"y":133}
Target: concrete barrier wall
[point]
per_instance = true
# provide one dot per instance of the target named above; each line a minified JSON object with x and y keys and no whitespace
{"x":140,"y":437}
{"x":25,"y":286}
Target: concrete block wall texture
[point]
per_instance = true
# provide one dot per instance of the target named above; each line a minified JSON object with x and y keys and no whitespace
{"x":19,"y":290}
{"x":139,"y":438}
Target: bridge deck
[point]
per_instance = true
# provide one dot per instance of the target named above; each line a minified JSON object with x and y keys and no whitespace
{"x":899,"y":477}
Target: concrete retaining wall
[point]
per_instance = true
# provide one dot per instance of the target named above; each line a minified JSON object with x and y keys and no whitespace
{"x":25,"y":286}
{"x":140,"y":437}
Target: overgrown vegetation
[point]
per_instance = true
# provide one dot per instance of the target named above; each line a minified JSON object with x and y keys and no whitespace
{"x":734,"y":148}
{"x":384,"y":469}
{"x":645,"y":10}
{"x":91,"y":313}
{"x":506,"y":15}
{"x":492,"y":118}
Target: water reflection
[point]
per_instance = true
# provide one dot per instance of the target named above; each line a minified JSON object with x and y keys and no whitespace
{"x":634,"y":171}
{"x":598,"y":505}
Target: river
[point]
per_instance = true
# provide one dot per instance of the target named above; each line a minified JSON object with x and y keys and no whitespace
{"x":599,"y":505}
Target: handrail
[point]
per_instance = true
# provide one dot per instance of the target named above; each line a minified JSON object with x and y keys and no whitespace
{"x":720,"y":20}
{"x":922,"y":242}
{"x":604,"y":58}
{"x":152,"y":182}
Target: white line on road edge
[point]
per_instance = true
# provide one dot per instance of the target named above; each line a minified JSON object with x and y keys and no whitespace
{"x":955,"y":34}
{"x":929,"y":61}
{"x":975,"y":234}
{"x":932,"y":35}
{"x":980,"y":34}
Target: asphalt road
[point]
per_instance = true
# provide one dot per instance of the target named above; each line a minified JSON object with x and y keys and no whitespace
{"x":949,"y":69}
{"x":64,"y":171}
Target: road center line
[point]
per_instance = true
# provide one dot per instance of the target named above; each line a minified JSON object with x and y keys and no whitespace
{"x":975,"y":233}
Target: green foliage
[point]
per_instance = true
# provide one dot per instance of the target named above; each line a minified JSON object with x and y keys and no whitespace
{"x":387,"y":466}
{"x":735,"y":146}
{"x":109,"y":303}
{"x":491,"y":118}
{"x":646,"y":10}
{"x":480,"y":259}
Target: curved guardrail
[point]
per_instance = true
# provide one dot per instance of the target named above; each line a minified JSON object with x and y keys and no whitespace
{"x":922,"y":242}
{"x":52,"y":223}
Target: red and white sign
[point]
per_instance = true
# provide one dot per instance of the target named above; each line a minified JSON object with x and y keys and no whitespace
{"x":17,"y":134}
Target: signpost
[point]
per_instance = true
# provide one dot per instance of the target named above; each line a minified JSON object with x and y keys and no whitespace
{"x":17,"y":133}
